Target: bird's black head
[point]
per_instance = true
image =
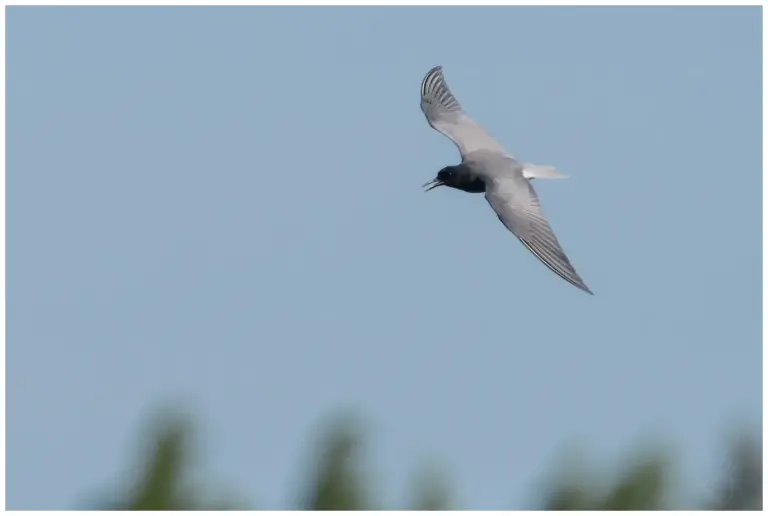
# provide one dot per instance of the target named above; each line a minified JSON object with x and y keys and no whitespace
{"x":458,"y":177}
{"x":448,"y":176}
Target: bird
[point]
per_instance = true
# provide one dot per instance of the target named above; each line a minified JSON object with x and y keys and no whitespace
{"x":487,"y":168}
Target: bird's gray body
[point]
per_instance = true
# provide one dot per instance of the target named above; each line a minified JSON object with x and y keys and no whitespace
{"x":486,"y":167}
{"x":503,"y":179}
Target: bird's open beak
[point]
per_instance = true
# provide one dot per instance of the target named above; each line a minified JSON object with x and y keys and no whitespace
{"x":432,"y":184}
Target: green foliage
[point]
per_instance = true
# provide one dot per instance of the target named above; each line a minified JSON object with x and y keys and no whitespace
{"x":568,"y":498}
{"x":160,"y":486}
{"x":337,"y":484}
{"x":639,"y":486}
{"x":742,"y":489}
{"x":338,"y":480}
{"x":162,"y":483}
{"x":431,"y":491}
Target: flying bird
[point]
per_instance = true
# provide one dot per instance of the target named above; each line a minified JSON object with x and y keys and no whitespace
{"x":487,"y":168}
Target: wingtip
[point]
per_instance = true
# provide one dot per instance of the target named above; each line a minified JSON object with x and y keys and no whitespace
{"x":435,"y":70}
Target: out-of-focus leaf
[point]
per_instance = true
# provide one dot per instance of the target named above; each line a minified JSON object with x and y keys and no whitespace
{"x":158,"y":487}
{"x":742,"y":485}
{"x":641,"y":488}
{"x":337,"y":484}
{"x":568,"y":498}
{"x":162,"y":481}
{"x":565,"y":483}
{"x":431,"y":492}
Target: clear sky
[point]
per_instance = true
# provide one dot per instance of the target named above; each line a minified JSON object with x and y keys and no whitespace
{"x":223,"y":206}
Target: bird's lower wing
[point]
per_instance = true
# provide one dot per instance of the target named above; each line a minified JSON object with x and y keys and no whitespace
{"x":445,"y":115}
{"x":517,"y":206}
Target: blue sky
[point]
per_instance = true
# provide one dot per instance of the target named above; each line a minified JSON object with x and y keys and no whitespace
{"x":223,"y":206}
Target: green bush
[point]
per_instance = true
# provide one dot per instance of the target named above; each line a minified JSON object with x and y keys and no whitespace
{"x":337,"y":479}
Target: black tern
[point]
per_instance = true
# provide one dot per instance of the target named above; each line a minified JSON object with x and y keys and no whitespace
{"x":487,"y":168}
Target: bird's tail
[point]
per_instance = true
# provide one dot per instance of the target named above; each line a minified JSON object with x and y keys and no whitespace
{"x":531,"y":171}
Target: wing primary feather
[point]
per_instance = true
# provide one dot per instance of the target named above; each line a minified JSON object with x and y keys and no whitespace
{"x":445,"y":114}
{"x":516,"y":204}
{"x":434,"y":88}
{"x":553,"y":265}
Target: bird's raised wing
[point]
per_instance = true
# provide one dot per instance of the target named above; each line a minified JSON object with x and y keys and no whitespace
{"x":517,"y":206}
{"x":445,"y":115}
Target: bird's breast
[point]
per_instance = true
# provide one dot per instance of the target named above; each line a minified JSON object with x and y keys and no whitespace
{"x":472,"y":185}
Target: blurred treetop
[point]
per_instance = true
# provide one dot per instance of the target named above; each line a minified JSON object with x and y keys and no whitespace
{"x":337,"y":480}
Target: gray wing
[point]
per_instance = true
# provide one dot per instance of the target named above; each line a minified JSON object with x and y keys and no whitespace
{"x":517,"y":206}
{"x":445,"y":115}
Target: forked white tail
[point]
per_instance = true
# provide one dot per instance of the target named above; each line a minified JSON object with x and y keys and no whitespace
{"x":531,"y":171}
